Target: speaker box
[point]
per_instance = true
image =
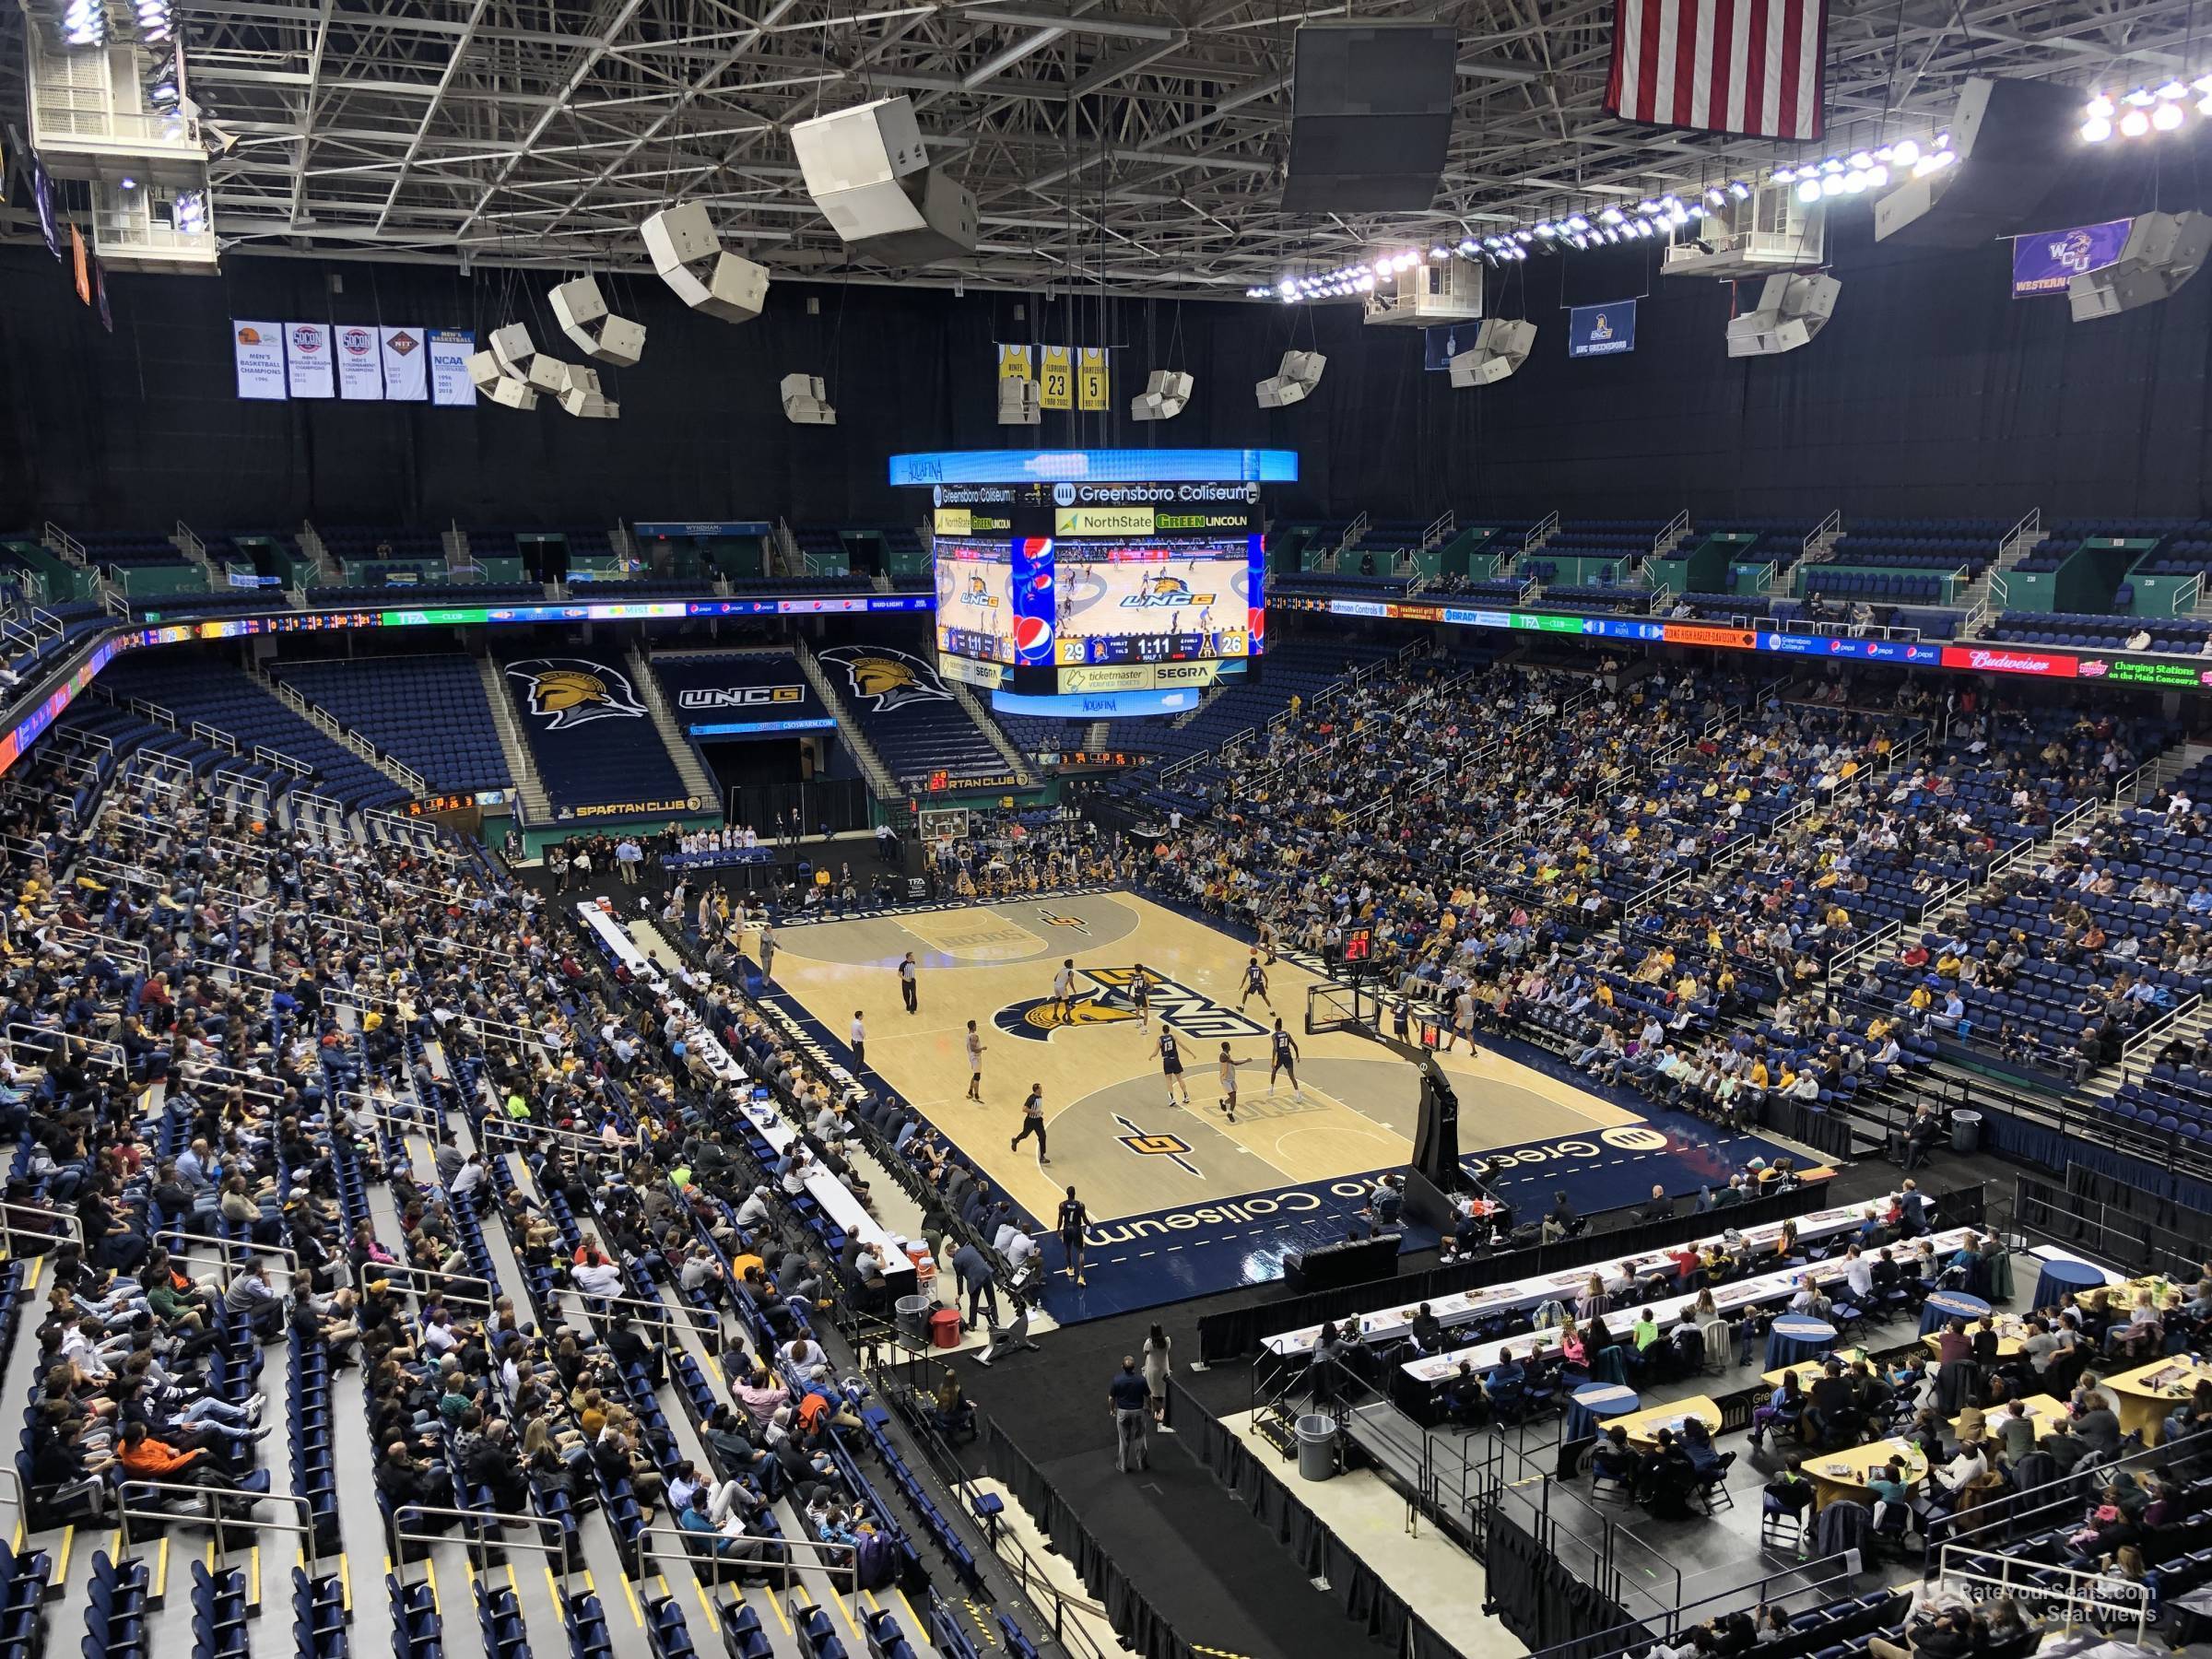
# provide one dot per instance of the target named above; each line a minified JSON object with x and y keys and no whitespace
{"x":1791,"y":310}
{"x":1166,"y":392}
{"x":867,"y":170}
{"x":807,"y":401}
{"x":1019,"y":403}
{"x":690,"y":260}
{"x":1295,"y":376}
{"x":2013,"y":139}
{"x":581,"y":309}
{"x":1371,"y":115}
{"x":1501,"y":346}
{"x":2163,"y":251}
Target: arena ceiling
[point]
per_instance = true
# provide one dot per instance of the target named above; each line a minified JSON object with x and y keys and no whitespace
{"x":1138,"y":143}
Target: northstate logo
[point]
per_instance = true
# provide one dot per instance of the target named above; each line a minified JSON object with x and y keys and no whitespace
{"x":571,"y":691}
{"x":891,"y":678}
{"x":1107,"y":1002}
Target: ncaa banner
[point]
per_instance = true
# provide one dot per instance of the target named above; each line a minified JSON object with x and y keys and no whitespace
{"x":308,"y":368}
{"x":360,"y":364}
{"x":258,"y":354}
{"x":2043,"y":261}
{"x":1094,"y":388}
{"x":449,"y":385}
{"x":1601,"y":330}
{"x":1014,"y":362}
{"x":407,"y":365}
{"x":1057,"y":385}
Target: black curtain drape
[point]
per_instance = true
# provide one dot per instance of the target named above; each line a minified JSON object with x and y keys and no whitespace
{"x":1368,"y":1601}
{"x":1233,"y":1333}
{"x":1133,"y":1617}
{"x":1540,"y":1601}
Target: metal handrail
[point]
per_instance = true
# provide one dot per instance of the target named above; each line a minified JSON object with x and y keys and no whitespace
{"x":711,"y":1543}
{"x":96,"y":1048}
{"x":407,"y":1270}
{"x":72,"y":1229}
{"x":215,"y":1497}
{"x":2088,"y":1591}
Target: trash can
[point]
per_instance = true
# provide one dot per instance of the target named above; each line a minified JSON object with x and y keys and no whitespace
{"x":1966,"y":1131}
{"x":912,"y":1315}
{"x":945,"y":1328}
{"x":1316,"y":1446}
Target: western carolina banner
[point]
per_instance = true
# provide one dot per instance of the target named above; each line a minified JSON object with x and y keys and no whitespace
{"x":306,"y":365}
{"x":2044,"y":261}
{"x":360,"y":364}
{"x":1601,"y":330}
{"x":259,"y":350}
{"x":1752,"y":67}
{"x":741,"y":697}
{"x":407,"y":365}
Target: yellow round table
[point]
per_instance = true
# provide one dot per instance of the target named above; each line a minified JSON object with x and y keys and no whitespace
{"x":1838,"y":1475}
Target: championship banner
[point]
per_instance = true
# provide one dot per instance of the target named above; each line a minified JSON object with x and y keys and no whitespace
{"x":99,"y":296}
{"x":360,"y":364}
{"x":1014,"y":362}
{"x":449,"y":385}
{"x":2043,"y":261}
{"x":1056,"y":389}
{"x":41,"y":197}
{"x":258,"y":350}
{"x":1093,"y":379}
{"x":1601,"y":330}
{"x":308,"y":369}
{"x":407,"y":365}
{"x":80,"y":265}
{"x":742,"y":697}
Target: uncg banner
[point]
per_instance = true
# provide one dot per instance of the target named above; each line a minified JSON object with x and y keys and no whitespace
{"x":1601,"y":330}
{"x":2043,"y":261}
{"x":741,"y":697}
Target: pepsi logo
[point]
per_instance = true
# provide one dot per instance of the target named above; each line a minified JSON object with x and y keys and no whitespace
{"x":1032,"y":637}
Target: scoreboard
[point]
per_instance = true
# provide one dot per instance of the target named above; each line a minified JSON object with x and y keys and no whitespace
{"x":1097,"y":584}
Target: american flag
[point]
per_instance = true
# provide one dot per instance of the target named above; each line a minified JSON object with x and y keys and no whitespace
{"x":1752,"y":67}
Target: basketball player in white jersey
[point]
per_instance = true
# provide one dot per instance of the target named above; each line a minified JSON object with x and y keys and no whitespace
{"x":1064,"y":987}
{"x":975,"y":1063}
{"x":1228,"y":1082}
{"x":1267,"y":940}
{"x":1462,"y":1021}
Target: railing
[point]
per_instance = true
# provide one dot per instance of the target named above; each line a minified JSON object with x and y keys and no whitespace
{"x":189,"y":544}
{"x":54,"y":536}
{"x":1671,"y":536}
{"x":98,"y":1049}
{"x":269,"y":756}
{"x":60,"y":1224}
{"x":218,"y":1500}
{"x":1542,"y":532}
{"x":2020,"y":539}
{"x":2186,"y":595}
{"x":488,"y":1530}
{"x":1353,"y":532}
{"x":704,"y":1549}
{"x":1440,"y":530}
{"x":214,"y":736}
{"x":1822,"y":533}
{"x":2092,"y":1598}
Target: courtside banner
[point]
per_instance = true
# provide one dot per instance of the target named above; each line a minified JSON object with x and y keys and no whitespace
{"x":726,"y":697}
{"x":1601,"y":330}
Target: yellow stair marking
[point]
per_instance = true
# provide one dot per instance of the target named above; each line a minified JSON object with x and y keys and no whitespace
{"x":631,"y":1596}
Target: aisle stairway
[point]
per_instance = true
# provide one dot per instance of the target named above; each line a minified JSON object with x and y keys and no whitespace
{"x":698,"y":781}
{"x":537,"y":807}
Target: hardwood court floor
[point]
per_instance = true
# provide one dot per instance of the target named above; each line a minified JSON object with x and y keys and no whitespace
{"x":1113,"y":1135}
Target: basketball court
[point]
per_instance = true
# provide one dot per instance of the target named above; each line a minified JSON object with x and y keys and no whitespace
{"x":1161,"y":1178}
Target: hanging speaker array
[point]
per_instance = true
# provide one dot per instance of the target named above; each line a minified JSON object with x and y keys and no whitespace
{"x":1165,"y":393}
{"x":581,"y":311}
{"x":807,"y":401}
{"x":1501,"y":346}
{"x":698,"y":270}
{"x":1294,"y":378}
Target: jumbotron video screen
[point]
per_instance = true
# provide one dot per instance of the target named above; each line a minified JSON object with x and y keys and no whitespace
{"x":1118,"y":598}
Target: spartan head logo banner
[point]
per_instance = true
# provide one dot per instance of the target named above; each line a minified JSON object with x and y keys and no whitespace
{"x":568,"y":691}
{"x":892,"y":678}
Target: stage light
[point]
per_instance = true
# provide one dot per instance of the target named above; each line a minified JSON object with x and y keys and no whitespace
{"x":1715,"y":197}
{"x":128,"y":183}
{"x":2096,"y":130}
{"x":2099,"y":108}
{"x":2134,"y":124}
{"x":1546,"y":231}
{"x":1647,"y":207}
{"x":1525,"y":237}
{"x":2204,"y":104}
{"x":1854,"y":181}
{"x":1860,"y":162}
{"x":1785,"y":175}
{"x":1287,"y":287}
{"x":1808,"y":191}
{"x":1440,"y":252}
{"x":1739,"y":190}
{"x":1612,"y":216}
{"x":1365,"y":282}
{"x":2166,"y":117}
{"x":1878,"y":177}
{"x":1832,"y":184}
{"x":1576,"y":222}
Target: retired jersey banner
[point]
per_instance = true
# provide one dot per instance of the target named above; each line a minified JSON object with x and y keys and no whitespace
{"x":2043,"y":261}
{"x":1601,"y":330}
{"x":1094,"y":388}
{"x":407,"y":362}
{"x":1057,"y":385}
{"x":308,"y":369}
{"x":360,"y":364}
{"x":1014,"y":362}
{"x":258,"y":348}
{"x":449,"y":385}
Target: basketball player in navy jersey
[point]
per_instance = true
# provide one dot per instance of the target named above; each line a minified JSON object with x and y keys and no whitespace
{"x":1284,"y":1059}
{"x":1170,"y":1064}
{"x":1255,"y":983}
{"x":1140,"y":994}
